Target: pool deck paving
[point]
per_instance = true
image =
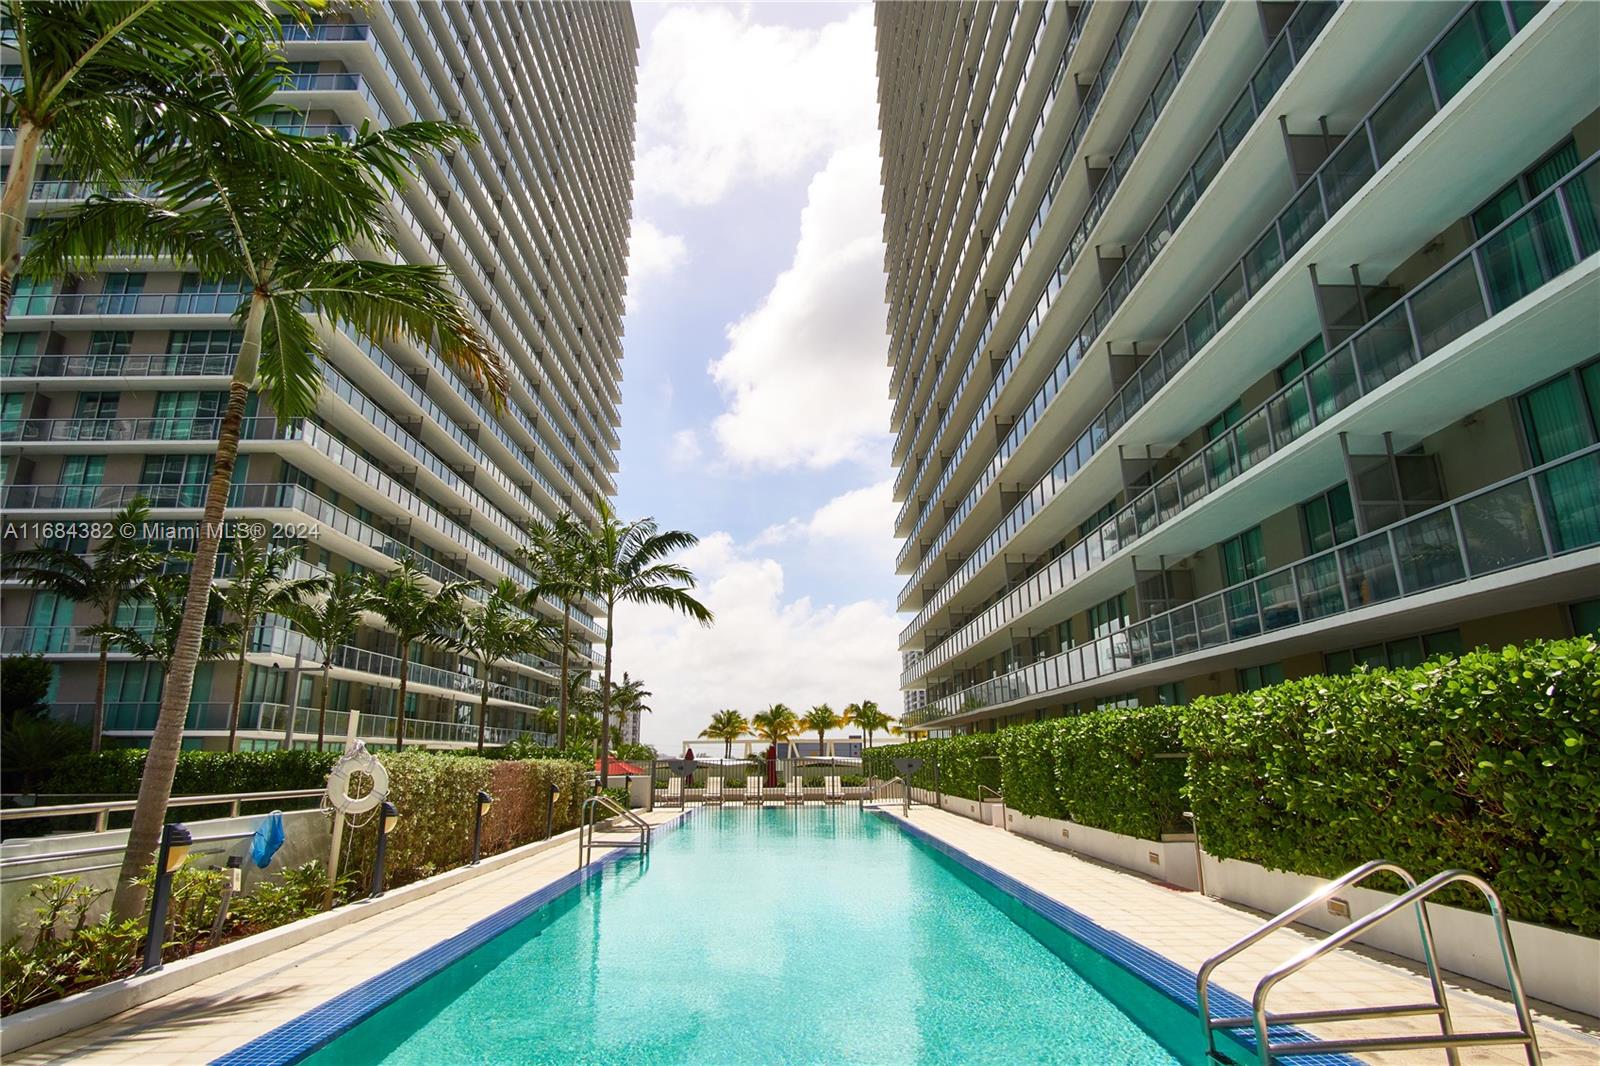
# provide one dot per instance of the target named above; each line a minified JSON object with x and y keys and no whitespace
{"x":214,"y":1016}
{"x":221,"y":1013}
{"x":1187,"y":928}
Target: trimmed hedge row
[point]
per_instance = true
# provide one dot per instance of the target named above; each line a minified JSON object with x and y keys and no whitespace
{"x":437,"y":796}
{"x":963,"y":763}
{"x":1489,"y":762}
{"x":116,"y":772}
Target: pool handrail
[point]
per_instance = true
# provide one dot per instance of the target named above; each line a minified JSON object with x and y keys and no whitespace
{"x":869,"y":794}
{"x":588,"y":823}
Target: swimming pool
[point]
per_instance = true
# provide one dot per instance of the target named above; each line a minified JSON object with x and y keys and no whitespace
{"x":798,"y":935}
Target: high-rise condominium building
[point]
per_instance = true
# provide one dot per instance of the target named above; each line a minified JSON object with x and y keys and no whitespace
{"x":113,"y":384}
{"x":1234,"y":342}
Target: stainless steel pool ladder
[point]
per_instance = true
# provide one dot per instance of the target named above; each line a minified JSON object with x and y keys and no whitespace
{"x":589,"y":824}
{"x":1261,"y":1021}
{"x":870,"y":794}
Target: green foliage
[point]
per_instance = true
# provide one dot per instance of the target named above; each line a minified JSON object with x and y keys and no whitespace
{"x":24,"y":685}
{"x":812,"y":781}
{"x":1490,"y":762}
{"x":852,"y":781}
{"x":116,"y":772}
{"x":296,"y":893}
{"x":963,"y":763}
{"x":1108,"y":774}
{"x":636,"y":753}
{"x":524,"y":748}
{"x":1028,"y":769}
{"x":30,"y":749}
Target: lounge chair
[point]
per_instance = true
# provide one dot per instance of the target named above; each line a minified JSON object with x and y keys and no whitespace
{"x":752,"y":788}
{"x":794,"y":791}
{"x":713,"y":793}
{"x":674,"y":792}
{"x":834,"y":792}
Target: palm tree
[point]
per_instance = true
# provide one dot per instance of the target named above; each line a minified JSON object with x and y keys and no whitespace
{"x":726,"y":726}
{"x":629,"y":696}
{"x":819,"y":720}
{"x":626,"y":566}
{"x":97,"y":77}
{"x":157,"y":642}
{"x":285,"y":224}
{"x":117,"y":573}
{"x":331,"y":620}
{"x":776,"y":725}
{"x":866,"y":715}
{"x":258,"y":588}
{"x":560,"y":558}
{"x":497,"y":629}
{"x":402,"y":598}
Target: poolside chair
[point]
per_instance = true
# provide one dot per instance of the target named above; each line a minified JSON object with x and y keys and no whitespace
{"x":713,"y":793}
{"x":674,"y":792}
{"x":793,"y":791}
{"x":752,"y":788}
{"x":834,"y":792}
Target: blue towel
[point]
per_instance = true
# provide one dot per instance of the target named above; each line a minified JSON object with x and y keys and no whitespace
{"x":267,"y":841}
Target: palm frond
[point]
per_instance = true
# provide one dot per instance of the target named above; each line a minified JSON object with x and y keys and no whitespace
{"x":291,"y":359}
{"x":82,"y":239}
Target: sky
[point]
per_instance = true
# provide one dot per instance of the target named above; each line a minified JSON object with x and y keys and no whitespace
{"x":755,"y":407}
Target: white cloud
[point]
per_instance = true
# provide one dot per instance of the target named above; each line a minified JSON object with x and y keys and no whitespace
{"x":723,"y":100}
{"x":685,"y":449}
{"x":763,"y":649}
{"x":652,"y":253}
{"x":860,"y":521}
{"x":805,"y":374}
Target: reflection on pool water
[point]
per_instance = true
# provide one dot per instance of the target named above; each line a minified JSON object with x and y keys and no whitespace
{"x":779,"y":935}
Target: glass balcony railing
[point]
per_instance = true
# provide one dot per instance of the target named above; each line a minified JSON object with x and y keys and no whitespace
{"x":64,"y":430}
{"x":197,"y":303}
{"x":1542,"y":514}
{"x":1303,"y":27}
{"x":1399,"y":115}
{"x":327,"y":31}
{"x":1546,"y":238}
{"x":1100,"y":199}
{"x":132,"y":365}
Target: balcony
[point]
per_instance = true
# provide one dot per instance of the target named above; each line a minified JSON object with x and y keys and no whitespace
{"x":1549,"y":236}
{"x":131,"y":365}
{"x":1545,"y":514}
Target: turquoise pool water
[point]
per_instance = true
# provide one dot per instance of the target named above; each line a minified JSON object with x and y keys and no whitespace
{"x":800,"y":935}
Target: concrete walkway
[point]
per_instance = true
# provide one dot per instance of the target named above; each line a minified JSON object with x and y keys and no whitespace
{"x":216,"y":1015}
{"x":1187,"y":928}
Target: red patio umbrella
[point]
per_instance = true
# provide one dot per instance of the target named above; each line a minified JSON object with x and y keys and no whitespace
{"x":619,"y":767}
{"x":772,"y":766}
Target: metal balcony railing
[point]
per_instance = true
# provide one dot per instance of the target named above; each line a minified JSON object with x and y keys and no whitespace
{"x":1541,"y":514}
{"x":1546,"y":238}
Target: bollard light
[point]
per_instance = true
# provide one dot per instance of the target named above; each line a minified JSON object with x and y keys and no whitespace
{"x":175,"y":843}
{"x":485,"y":801}
{"x":387,"y":821}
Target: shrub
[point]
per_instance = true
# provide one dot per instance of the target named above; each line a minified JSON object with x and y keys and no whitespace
{"x":852,"y":781}
{"x":955,"y":766}
{"x":116,"y":772}
{"x":1490,"y":762}
{"x":813,"y":781}
{"x":25,"y":686}
{"x":1108,"y":774}
{"x":1027,"y":768}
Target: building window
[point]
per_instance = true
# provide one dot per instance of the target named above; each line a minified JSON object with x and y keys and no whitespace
{"x":1329,"y":519}
{"x":1094,"y":521}
{"x":119,"y":294}
{"x":97,"y":405}
{"x":21,"y":354}
{"x":1125,"y":699}
{"x":1559,"y":416}
{"x":1395,"y":654}
{"x":1108,"y":617}
{"x":176,"y":480}
{"x":1243,"y":557}
{"x":1254,"y":677}
{"x":1225,"y":421}
{"x":11,"y":414}
{"x":1301,"y":361}
{"x":1171,"y":694}
{"x":1586,"y":617}
{"x":80,"y":477}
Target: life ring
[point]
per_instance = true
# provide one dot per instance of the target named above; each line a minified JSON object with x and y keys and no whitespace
{"x":358,"y":760}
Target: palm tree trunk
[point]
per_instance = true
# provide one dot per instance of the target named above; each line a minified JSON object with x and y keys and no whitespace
{"x":483,"y":707}
{"x":238,"y":686}
{"x":322,"y":711}
{"x":400,"y":706}
{"x":605,"y":704}
{"x":14,"y":204}
{"x":727,"y":748}
{"x":566,"y":640}
{"x":155,"y":784}
{"x":98,"y":725}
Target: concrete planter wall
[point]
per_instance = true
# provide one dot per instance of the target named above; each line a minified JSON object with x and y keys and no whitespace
{"x":1557,"y":966}
{"x":1171,"y":859}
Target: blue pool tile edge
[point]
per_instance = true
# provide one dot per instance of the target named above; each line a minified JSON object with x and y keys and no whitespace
{"x":1158,"y":971}
{"x":299,"y":1037}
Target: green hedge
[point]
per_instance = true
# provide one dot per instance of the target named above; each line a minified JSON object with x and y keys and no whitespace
{"x":1108,"y":774}
{"x":1028,"y":768}
{"x":963,"y":763}
{"x":1490,"y":762}
{"x":436,"y":796}
{"x":116,"y":772}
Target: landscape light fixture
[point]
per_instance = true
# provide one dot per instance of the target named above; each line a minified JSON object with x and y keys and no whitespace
{"x":485,"y":801}
{"x":389,"y":818}
{"x":175,"y":843}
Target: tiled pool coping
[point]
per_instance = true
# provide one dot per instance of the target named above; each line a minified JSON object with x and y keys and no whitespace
{"x":299,"y":1037}
{"x":1159,"y":972}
